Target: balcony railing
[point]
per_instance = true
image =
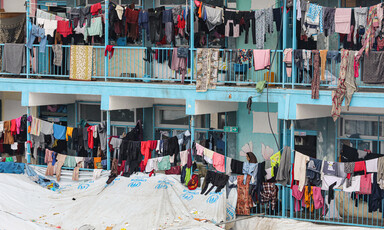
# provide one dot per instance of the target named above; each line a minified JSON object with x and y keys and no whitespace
{"x":153,"y":65}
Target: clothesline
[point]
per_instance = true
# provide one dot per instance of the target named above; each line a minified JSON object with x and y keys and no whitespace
{"x":343,"y":7}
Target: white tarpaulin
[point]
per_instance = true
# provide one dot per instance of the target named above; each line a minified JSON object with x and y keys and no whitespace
{"x":256,"y":223}
{"x":138,"y":202}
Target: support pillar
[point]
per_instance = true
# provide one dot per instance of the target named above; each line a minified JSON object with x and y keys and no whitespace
{"x":291,"y":208}
{"x":192,"y":132}
{"x":108,"y":136}
{"x":28,"y":137}
{"x":106,"y":40}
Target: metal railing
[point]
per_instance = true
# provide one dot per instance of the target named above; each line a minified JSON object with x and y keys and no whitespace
{"x":155,"y":65}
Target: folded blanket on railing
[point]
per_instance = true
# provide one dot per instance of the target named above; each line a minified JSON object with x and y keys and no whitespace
{"x":81,"y":63}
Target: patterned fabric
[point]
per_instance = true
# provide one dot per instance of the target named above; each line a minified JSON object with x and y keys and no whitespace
{"x":245,"y":56}
{"x":315,"y":16}
{"x":339,"y":93}
{"x":269,"y":194}
{"x":58,"y":55}
{"x":369,"y":35}
{"x":244,"y":200}
{"x":349,"y":167}
{"x":360,"y":19}
{"x":269,"y":20}
{"x":350,"y":80}
{"x":316,"y":75}
{"x":260,"y":28}
{"x":207,"y":69}
{"x":81,"y":63}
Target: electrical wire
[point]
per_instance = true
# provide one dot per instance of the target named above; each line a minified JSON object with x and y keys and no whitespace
{"x":268,"y":76}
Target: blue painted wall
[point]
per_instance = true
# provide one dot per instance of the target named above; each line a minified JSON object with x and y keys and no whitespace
{"x":245,"y":135}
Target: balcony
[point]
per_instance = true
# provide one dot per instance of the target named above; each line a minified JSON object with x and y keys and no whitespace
{"x":131,"y":64}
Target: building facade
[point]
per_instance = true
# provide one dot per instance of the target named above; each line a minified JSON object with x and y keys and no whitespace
{"x":138,"y":82}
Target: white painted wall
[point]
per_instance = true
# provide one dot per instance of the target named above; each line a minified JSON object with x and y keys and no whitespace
{"x":14,"y":5}
{"x":12,"y":109}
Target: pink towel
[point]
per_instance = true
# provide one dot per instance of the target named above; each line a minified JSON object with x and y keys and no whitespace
{"x":343,"y":20}
{"x":218,"y":161}
{"x":261,"y":59}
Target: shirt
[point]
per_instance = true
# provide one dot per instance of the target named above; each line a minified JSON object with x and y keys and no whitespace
{"x":269,"y":193}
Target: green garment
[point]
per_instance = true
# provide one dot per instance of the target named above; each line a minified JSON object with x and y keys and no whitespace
{"x":9,"y":159}
{"x":70,"y":162}
{"x":96,"y":28}
{"x":275,"y":161}
{"x":260,"y":86}
{"x":187,"y":176}
{"x":164,"y":164}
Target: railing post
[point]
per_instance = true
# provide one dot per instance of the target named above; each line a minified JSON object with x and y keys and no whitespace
{"x":285,"y":35}
{"x":192,"y":38}
{"x":291,"y":208}
{"x":108,"y":136}
{"x":192,"y":134}
{"x":294,"y":44}
{"x":284,"y":187}
{"x":28,"y":137}
{"x":106,"y":40}
{"x":27,"y":2}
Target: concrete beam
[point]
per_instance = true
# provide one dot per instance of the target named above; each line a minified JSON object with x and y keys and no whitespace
{"x":207,"y":107}
{"x":119,"y":102}
{"x":38,"y":99}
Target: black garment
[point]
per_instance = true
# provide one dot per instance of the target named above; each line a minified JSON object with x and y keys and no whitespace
{"x":75,"y":139}
{"x":331,"y":192}
{"x":313,"y":171}
{"x":237,"y":166}
{"x":216,"y":179}
{"x":136,"y":134}
{"x":376,"y":197}
{"x":131,"y":151}
{"x":61,"y":146}
{"x":349,"y":154}
{"x":277,"y":18}
{"x":249,"y":22}
{"x":260,"y":179}
{"x":236,"y":17}
{"x":156,"y":26}
{"x":183,"y":173}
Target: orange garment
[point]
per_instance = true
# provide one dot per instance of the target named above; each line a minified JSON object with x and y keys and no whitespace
{"x":323,"y":57}
{"x":8,"y":138}
{"x":307,"y":198}
{"x":97,"y":162}
{"x":199,"y":12}
{"x":146,"y":150}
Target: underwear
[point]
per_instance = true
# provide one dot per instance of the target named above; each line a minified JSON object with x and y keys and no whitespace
{"x":64,"y":28}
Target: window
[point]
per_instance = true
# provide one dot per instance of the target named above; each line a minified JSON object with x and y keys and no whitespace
{"x":90,"y":112}
{"x":124,"y":115}
{"x":361,"y":132}
{"x":173,"y":117}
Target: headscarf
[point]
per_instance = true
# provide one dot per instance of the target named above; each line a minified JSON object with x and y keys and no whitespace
{"x":252,"y":157}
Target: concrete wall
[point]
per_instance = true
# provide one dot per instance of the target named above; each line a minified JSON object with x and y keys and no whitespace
{"x":245,"y":135}
{"x":13,"y":5}
{"x":11,"y":105}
